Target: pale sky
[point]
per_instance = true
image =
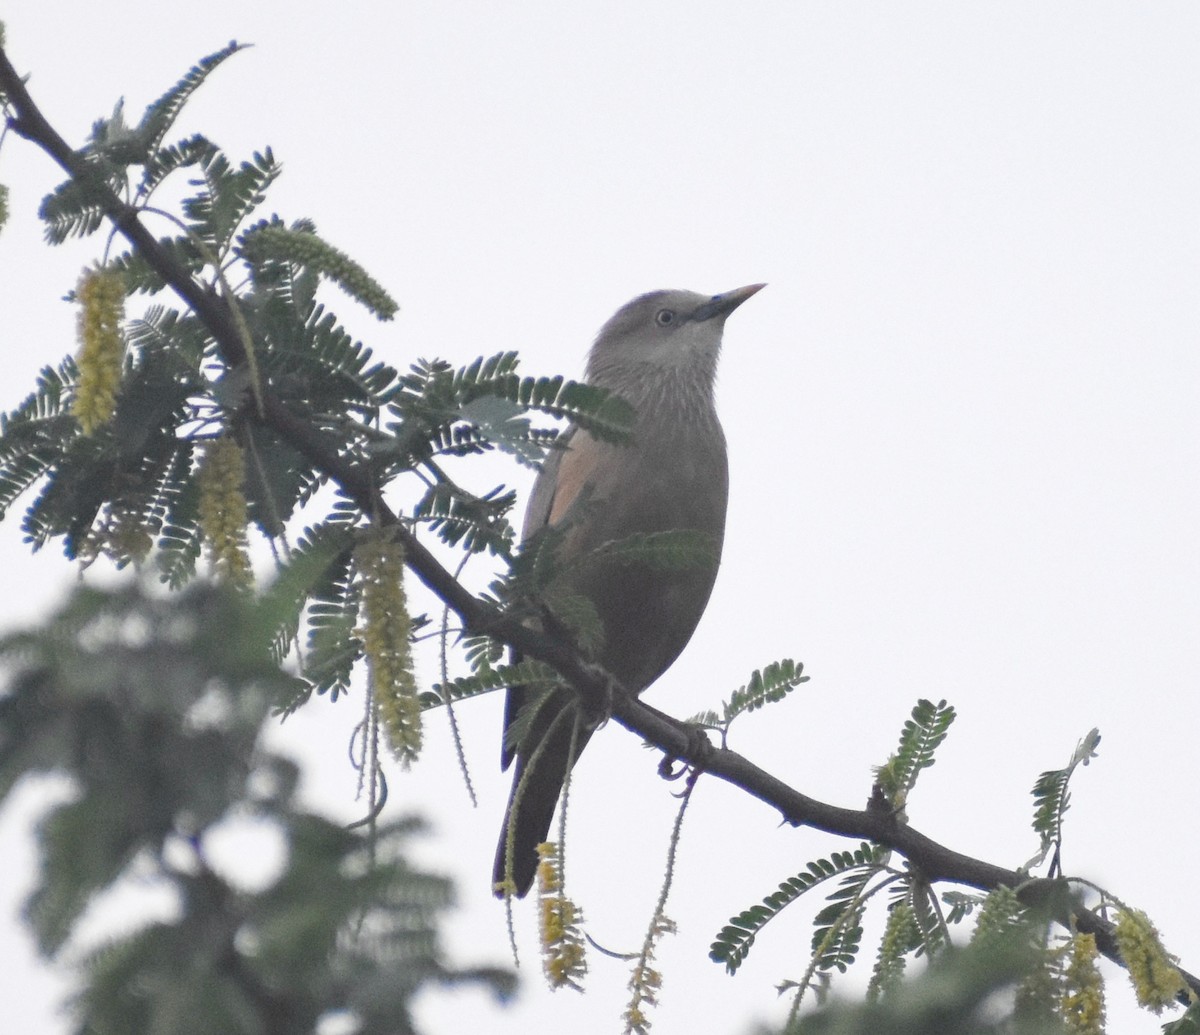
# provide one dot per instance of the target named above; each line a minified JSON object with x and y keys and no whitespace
{"x":962,"y":419}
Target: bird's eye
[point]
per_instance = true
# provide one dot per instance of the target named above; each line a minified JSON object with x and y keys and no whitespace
{"x":664,"y":317}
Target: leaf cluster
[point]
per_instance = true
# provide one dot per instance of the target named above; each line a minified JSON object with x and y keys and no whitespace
{"x":154,"y":708}
{"x":128,"y":489}
{"x":441,"y":411}
{"x":1056,"y":988}
{"x":916,"y":922}
{"x":959,"y":993}
{"x":733,"y":943}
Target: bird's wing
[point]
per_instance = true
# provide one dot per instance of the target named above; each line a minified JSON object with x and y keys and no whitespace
{"x":582,"y":470}
{"x":545,"y":487}
{"x":544,"y":500}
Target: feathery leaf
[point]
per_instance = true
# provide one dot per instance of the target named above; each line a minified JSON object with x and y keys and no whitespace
{"x":1052,"y":797}
{"x":160,"y":116}
{"x":733,"y":943}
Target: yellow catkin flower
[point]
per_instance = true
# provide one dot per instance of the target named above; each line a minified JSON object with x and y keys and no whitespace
{"x":637,"y":1020}
{"x":1083,"y":988}
{"x":1000,"y":915}
{"x":128,"y":537}
{"x":322,"y":257}
{"x":645,"y":981}
{"x":101,"y":295}
{"x":385,"y":635}
{"x":221,"y":479}
{"x":120,"y":533}
{"x":564,"y":959}
{"x":897,"y":937}
{"x":1156,"y":980}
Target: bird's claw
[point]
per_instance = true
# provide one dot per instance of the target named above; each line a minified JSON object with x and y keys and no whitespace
{"x":699,"y":751}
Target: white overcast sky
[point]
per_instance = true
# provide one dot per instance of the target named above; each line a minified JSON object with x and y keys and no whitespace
{"x":962,"y":419}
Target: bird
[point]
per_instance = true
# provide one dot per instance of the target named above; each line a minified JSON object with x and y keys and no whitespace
{"x":659,"y":354}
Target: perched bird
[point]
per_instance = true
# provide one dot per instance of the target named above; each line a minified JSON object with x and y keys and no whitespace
{"x":659,"y":353}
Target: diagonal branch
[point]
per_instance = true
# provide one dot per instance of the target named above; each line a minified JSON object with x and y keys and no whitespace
{"x":935,"y":862}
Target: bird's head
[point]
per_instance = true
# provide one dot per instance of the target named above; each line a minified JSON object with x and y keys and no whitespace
{"x":663,"y":332}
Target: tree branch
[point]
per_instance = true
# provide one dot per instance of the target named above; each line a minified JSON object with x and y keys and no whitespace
{"x":934,"y":861}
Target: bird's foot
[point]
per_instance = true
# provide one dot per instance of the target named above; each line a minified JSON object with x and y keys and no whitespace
{"x":699,"y":750}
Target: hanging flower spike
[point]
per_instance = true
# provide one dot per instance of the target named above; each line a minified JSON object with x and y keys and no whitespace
{"x":1156,"y":980}
{"x":899,"y":933}
{"x":221,"y":478}
{"x":1083,"y":988}
{"x":563,"y":956}
{"x":385,"y":634}
{"x":101,"y":295}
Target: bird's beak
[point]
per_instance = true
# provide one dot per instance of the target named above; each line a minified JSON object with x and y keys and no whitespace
{"x":724,"y":304}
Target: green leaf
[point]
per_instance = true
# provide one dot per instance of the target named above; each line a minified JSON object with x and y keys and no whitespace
{"x":733,"y":943}
{"x":476,"y":522}
{"x":278,"y":479}
{"x":964,"y":993}
{"x":139,"y":275}
{"x":482,"y":652}
{"x":75,"y":208}
{"x":1052,"y":798}
{"x":333,"y":645}
{"x":961,"y":905}
{"x":164,"y":161}
{"x":527,"y":673}
{"x":34,"y":435}
{"x":180,"y":538}
{"x":901,"y":935}
{"x":766,"y":686}
{"x":1002,"y":916}
{"x":500,"y":422}
{"x":922,"y":734}
{"x":228,"y":196}
{"x":108,"y":695}
{"x":85,"y":845}
{"x":152,"y":708}
{"x":102,"y":487}
{"x":837,"y":939}
{"x":306,"y":354}
{"x":305,"y":573}
{"x":431,"y":400}
{"x":161,"y":115}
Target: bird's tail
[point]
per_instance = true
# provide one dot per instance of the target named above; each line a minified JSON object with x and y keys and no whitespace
{"x":547,"y":751}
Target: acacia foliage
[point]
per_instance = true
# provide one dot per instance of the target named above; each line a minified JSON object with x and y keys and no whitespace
{"x":153,"y":707}
{"x":128,"y":488}
{"x":124,"y":484}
